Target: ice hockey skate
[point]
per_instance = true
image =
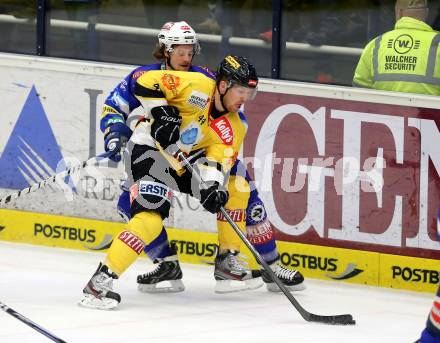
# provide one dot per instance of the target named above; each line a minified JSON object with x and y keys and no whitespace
{"x":98,"y":293}
{"x":165,"y":278}
{"x":292,"y":279}
{"x":232,"y":276}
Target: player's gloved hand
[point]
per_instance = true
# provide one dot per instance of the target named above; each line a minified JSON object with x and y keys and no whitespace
{"x":166,"y":125}
{"x":214,"y":197}
{"x":115,"y":137}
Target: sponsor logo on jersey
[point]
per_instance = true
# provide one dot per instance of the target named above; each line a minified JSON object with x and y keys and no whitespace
{"x":132,"y":241}
{"x":171,"y":82}
{"x":223,"y":128}
{"x":198,"y":99}
{"x":115,"y":120}
{"x":238,"y":215}
{"x":32,"y":152}
{"x":108,"y":109}
{"x":138,"y":74}
{"x":64,"y":232}
{"x":260,"y":233}
{"x":123,"y":85}
{"x":134,"y":192}
{"x":155,"y":188}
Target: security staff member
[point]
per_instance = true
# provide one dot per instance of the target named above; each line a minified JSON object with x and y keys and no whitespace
{"x":406,"y":59}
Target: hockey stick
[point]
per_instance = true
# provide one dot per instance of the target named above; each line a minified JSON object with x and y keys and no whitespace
{"x":342,"y":319}
{"x":52,"y":179}
{"x":30,"y":323}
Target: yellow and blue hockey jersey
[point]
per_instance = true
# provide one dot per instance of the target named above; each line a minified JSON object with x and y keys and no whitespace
{"x":192,"y":93}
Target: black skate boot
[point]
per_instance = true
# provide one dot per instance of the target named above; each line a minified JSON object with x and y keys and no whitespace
{"x":98,"y":292}
{"x":232,"y":276}
{"x":168,"y":271}
{"x":292,"y":279}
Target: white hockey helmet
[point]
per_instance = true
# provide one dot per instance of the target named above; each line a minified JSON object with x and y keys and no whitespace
{"x":175,"y":33}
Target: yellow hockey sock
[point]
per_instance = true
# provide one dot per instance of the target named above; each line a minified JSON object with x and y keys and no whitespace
{"x":239,"y":191}
{"x":142,"y":229}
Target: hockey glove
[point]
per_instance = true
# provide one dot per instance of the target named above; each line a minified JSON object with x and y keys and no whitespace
{"x":214,"y":197}
{"x":166,"y":125}
{"x":115,"y":137}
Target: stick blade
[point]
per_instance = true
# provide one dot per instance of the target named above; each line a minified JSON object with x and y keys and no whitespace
{"x":341,"y":319}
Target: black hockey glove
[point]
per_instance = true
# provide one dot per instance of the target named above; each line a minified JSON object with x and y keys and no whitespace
{"x":166,"y":125}
{"x":214,"y":197}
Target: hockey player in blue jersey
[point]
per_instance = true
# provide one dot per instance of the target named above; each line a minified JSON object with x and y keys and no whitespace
{"x":177,"y":46}
{"x":431,"y":334}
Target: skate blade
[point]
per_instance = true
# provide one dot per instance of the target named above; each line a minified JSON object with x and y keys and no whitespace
{"x":273,"y":287}
{"x":90,"y":301}
{"x":175,"y":286}
{"x":232,"y":286}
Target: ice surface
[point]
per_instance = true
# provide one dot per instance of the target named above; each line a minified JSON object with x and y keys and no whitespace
{"x":45,"y":284}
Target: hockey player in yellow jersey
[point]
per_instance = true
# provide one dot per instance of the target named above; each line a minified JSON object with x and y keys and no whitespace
{"x":177,"y":46}
{"x":200,"y":113}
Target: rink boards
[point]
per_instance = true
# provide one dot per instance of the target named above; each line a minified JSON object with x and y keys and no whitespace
{"x":349,"y":177}
{"x":328,"y":263}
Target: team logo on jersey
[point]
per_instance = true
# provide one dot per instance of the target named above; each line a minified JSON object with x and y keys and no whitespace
{"x":256,"y":213}
{"x":32,"y":153}
{"x":171,"y":82}
{"x":198,"y":99}
{"x":189,"y":137}
{"x":223,"y":128}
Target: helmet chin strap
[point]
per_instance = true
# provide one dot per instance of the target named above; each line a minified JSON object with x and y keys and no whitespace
{"x":222,"y":96}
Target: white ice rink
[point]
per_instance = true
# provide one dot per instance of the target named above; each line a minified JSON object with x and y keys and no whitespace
{"x":44,"y":284}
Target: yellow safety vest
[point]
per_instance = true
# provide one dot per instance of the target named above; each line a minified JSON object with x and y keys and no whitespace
{"x":406,"y":59}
